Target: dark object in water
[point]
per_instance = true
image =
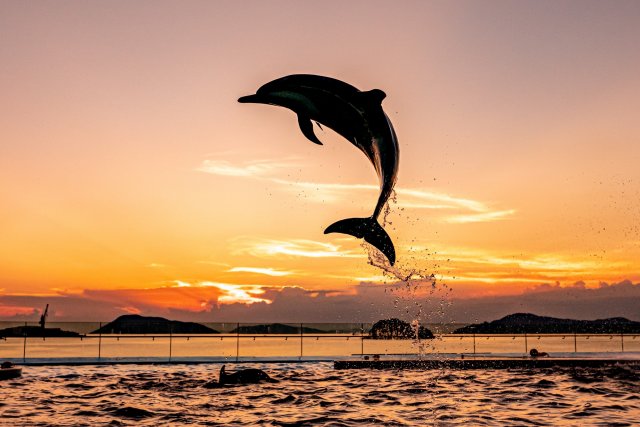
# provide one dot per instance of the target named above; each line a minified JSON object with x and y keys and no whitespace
{"x":132,"y":412}
{"x":244,"y":376}
{"x":9,"y":371}
{"x":358,"y":117}
{"x":536,"y":353}
{"x":388,"y":329}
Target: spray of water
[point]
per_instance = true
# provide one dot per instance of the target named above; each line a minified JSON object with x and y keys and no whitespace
{"x":417,"y":292}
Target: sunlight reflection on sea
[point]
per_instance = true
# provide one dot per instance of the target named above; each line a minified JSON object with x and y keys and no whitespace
{"x":316,"y":394}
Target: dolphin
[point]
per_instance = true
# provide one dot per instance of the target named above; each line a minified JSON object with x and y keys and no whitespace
{"x":244,"y":376}
{"x":358,"y":117}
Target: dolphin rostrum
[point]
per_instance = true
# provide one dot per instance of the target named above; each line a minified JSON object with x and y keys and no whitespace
{"x":244,"y":376}
{"x":353,"y":114}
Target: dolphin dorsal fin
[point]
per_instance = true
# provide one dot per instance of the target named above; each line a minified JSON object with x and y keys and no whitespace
{"x":306,"y":126}
{"x":373,"y":96}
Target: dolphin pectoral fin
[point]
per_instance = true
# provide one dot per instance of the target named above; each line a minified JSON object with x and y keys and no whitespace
{"x":306,"y":126}
{"x":368,"y":229}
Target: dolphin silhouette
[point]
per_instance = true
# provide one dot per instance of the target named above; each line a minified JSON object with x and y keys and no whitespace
{"x":359,"y":118}
{"x":244,"y":376}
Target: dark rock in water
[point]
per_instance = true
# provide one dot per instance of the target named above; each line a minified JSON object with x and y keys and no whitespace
{"x":388,"y":329}
{"x":35,"y":331}
{"x":136,"y":324}
{"x":212,"y":384}
{"x":131,"y":412}
{"x":275,"y":328}
{"x":527,"y":323}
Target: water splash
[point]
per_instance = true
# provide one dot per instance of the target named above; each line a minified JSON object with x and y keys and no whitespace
{"x":417,"y":292}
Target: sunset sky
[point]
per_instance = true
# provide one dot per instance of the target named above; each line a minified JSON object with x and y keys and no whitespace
{"x":131,"y":180}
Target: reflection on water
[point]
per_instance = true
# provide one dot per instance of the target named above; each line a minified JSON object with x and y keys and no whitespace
{"x":315,"y":394}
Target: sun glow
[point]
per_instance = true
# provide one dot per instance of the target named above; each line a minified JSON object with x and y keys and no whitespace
{"x":232,"y":294}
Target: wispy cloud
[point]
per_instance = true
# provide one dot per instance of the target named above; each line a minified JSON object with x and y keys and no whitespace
{"x":257,"y":270}
{"x":480,"y":217}
{"x":156,"y":265}
{"x":469,"y":265}
{"x":255,"y":168}
{"x":363,"y":303}
{"x":233,"y":294}
{"x":295,"y":247}
{"x":461,"y":210}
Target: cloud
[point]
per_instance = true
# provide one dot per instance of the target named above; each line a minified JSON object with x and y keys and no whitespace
{"x":467,"y":265}
{"x":481,"y":217}
{"x":370,"y":302}
{"x":257,"y":270}
{"x":255,"y":168}
{"x":294,"y":247}
{"x":8,"y":311}
{"x":238,"y":294}
{"x":464,"y":211}
{"x":365,"y":302}
{"x":229,"y":293}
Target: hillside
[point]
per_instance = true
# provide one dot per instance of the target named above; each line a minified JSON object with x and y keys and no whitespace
{"x":527,"y":323}
{"x":136,"y":324}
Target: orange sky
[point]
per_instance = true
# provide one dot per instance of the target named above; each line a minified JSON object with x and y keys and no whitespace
{"x":127,"y":165}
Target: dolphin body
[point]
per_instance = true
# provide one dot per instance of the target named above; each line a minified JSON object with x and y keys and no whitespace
{"x":244,"y":376}
{"x":353,"y":114}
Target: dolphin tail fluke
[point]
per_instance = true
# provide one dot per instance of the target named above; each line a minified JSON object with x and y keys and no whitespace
{"x":368,"y":229}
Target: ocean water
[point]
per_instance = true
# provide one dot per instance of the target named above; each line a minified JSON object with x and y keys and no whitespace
{"x":316,"y":394}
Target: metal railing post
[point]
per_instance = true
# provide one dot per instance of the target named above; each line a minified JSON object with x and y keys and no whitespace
{"x":24,"y":345}
{"x":622,"y":341}
{"x":237,"y":341}
{"x":100,"y":342}
{"x":170,"y":342}
{"x":474,"y":343}
{"x":301,"y":336}
{"x":575,"y":342}
{"x":361,"y":339}
{"x":526,"y":344}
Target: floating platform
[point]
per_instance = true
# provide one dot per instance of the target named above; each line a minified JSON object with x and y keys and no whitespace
{"x":482,"y":362}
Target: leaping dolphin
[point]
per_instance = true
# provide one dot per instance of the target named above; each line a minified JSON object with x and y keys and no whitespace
{"x":355,"y":115}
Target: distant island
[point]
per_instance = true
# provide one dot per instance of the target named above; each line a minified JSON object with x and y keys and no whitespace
{"x":275,"y":328}
{"x":35,"y":331}
{"x":527,"y":323}
{"x":388,"y":329}
{"x":136,"y":324}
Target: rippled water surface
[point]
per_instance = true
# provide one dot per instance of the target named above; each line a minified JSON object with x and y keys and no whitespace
{"x":316,"y":394}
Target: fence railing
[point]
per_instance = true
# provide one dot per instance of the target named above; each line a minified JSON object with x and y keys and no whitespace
{"x":235,"y":341}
